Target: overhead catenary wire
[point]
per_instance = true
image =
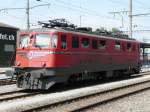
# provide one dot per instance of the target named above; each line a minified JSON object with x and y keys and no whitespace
{"x":120,"y":2}
{"x":73,"y":8}
{"x":139,"y":31}
{"x":142,"y":4}
{"x":84,"y":10}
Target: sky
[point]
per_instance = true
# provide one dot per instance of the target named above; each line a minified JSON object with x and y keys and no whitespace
{"x":93,"y":13}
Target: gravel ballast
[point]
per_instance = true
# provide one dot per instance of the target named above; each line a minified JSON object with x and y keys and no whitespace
{"x":45,"y":99}
{"x":3,"y":69}
{"x":139,"y":102}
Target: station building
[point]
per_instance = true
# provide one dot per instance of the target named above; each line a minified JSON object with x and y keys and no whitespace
{"x":8,"y":37}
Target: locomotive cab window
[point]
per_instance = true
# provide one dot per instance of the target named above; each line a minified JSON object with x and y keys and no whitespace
{"x":42,"y":40}
{"x":102,"y":44}
{"x":85,"y":43}
{"x":24,"y":41}
{"x":117,"y":45}
{"x":94,"y":44}
{"x":75,"y":42}
{"x":54,"y":41}
{"x":63,"y":42}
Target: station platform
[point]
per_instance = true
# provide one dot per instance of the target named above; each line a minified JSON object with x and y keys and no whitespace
{"x":3,"y":69}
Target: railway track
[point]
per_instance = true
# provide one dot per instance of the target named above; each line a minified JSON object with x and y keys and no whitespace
{"x":7,"y":81}
{"x":14,"y":95}
{"x":74,"y":100}
{"x":84,"y":102}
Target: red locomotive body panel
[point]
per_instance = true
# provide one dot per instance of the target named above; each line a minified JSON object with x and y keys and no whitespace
{"x":61,"y":52}
{"x":34,"y":57}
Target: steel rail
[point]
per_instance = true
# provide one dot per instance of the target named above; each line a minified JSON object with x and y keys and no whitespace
{"x":79,"y":103}
{"x":7,"y":81}
{"x":4,"y":97}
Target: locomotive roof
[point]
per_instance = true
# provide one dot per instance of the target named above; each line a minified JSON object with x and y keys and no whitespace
{"x":75,"y":32}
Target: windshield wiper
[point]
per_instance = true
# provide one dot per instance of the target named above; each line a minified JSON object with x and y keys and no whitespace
{"x":38,"y":46}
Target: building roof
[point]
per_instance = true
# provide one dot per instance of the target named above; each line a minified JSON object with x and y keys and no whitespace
{"x":7,"y":26}
{"x":144,"y":45}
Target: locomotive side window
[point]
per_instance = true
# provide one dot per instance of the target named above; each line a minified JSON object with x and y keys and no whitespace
{"x":123,"y":47}
{"x":129,"y":46}
{"x":85,"y":43}
{"x":138,"y":48}
{"x":54,"y":41}
{"x":24,"y":41}
{"x":42,"y":40}
{"x":63,"y":42}
{"x":117,"y":45}
{"x":75,"y":42}
{"x":102,"y":44}
{"x":134,"y":47}
{"x":94,"y":44}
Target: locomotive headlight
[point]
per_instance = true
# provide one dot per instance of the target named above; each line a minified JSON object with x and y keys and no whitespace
{"x":43,"y":64}
{"x":17,"y":63}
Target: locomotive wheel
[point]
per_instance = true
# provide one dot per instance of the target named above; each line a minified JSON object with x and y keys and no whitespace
{"x":19,"y":81}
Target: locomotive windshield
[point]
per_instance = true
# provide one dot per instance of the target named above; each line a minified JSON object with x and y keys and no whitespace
{"x":24,"y":41}
{"x":42,"y":40}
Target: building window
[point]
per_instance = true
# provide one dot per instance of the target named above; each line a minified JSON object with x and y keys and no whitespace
{"x":102,"y":44}
{"x":63,"y":42}
{"x":117,"y":45}
{"x":9,"y":48}
{"x":75,"y":42}
{"x":94,"y":44}
{"x":85,"y":43}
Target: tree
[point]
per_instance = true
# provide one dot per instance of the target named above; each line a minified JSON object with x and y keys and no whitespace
{"x":116,"y":30}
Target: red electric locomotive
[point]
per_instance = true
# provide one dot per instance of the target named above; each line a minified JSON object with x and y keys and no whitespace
{"x":51,"y":55}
